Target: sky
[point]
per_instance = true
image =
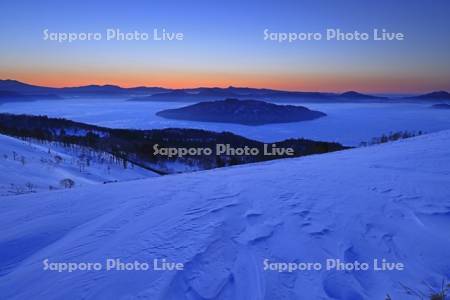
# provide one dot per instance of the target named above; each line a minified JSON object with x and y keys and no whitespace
{"x":224,"y":44}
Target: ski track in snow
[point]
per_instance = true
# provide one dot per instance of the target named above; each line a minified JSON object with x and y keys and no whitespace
{"x":389,"y":201}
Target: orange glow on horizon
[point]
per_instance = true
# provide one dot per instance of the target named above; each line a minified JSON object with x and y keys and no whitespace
{"x":179,"y":80}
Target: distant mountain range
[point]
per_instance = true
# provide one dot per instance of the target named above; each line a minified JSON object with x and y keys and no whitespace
{"x":208,"y":94}
{"x":13,"y":90}
{"x":439,"y":95}
{"x":93,"y":90}
{"x":246,"y":112}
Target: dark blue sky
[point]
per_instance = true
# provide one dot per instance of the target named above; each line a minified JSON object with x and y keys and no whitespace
{"x":223,"y":44}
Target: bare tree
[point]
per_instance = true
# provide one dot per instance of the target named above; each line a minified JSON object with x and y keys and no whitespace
{"x":16,"y":189}
{"x":58,"y":159}
{"x":81,"y":162}
{"x":30,"y":187}
{"x":67,"y":183}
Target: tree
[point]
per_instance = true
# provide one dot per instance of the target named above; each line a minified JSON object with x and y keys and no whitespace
{"x":58,"y":159}
{"x":30,"y":186}
{"x":67,"y":183}
{"x":81,"y":163}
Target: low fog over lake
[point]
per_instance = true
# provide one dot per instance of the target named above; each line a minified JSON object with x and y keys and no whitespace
{"x":347,"y":123}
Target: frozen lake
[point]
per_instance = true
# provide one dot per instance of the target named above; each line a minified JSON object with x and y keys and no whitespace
{"x":347,"y":123}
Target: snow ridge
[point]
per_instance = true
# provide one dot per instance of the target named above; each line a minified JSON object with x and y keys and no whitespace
{"x":388,"y":201}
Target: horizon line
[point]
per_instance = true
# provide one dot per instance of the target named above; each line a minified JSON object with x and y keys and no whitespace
{"x":219,"y":87}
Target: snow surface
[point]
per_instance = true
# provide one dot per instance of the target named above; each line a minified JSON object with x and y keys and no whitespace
{"x":44,"y":165}
{"x":389,"y":201}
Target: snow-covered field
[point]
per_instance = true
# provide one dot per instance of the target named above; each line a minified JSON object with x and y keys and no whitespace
{"x":390,"y":202}
{"x":28,"y":167}
{"x":347,"y":123}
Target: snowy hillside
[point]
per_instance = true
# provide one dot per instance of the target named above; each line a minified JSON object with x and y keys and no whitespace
{"x":30,"y":167}
{"x":389,"y":202}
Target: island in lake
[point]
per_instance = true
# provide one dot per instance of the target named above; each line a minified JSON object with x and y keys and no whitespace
{"x":441,"y":106}
{"x":246,"y":112}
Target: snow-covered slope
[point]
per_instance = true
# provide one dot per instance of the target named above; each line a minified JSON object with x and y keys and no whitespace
{"x":31,"y":167}
{"x":390,"y":201}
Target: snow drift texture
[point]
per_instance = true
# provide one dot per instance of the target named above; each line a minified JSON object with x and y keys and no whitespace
{"x":390,"y":201}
